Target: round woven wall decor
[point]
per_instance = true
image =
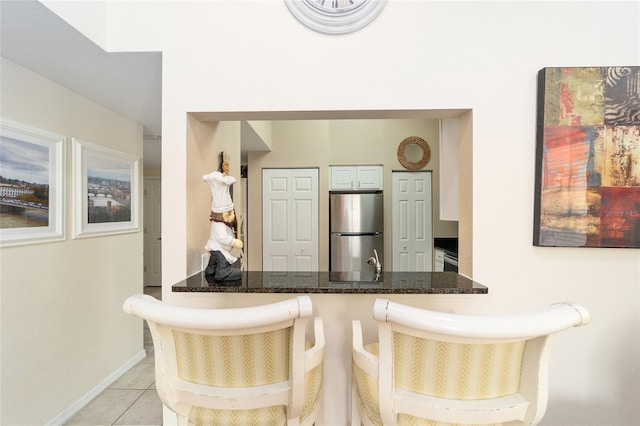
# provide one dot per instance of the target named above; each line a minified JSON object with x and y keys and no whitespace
{"x":424,"y":146}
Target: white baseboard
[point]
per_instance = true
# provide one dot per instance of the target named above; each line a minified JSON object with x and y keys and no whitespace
{"x":71,"y":410}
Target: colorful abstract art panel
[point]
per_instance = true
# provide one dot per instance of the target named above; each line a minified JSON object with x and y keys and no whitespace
{"x":588,"y":158}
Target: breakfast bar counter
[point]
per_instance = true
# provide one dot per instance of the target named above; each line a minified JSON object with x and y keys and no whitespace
{"x":339,"y":299}
{"x":334,"y":283}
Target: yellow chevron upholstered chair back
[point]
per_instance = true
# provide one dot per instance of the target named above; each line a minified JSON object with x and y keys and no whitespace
{"x":437,"y":369}
{"x":240,"y":366}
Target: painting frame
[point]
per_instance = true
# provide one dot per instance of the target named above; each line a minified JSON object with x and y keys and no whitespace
{"x":42,"y":147}
{"x":119,"y":173}
{"x":587,"y":182}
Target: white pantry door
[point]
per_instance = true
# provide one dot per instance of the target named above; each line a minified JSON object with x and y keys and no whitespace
{"x":152,"y":232}
{"x":290,"y":219}
{"x":412,"y":222}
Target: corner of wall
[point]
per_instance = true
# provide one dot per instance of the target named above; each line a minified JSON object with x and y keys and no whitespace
{"x":465,"y":196}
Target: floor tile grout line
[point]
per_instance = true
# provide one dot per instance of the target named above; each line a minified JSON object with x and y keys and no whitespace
{"x":128,"y":408}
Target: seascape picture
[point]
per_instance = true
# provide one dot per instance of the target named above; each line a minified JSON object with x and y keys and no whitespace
{"x":24,"y":184}
{"x":109,"y":182}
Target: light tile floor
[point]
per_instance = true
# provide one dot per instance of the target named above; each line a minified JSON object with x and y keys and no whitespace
{"x":132,"y":399}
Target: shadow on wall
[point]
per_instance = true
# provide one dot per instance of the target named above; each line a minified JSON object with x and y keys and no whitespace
{"x":589,"y":413}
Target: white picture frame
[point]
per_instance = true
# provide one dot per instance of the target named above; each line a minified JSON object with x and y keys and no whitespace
{"x":32,"y":194}
{"x":106,"y":191}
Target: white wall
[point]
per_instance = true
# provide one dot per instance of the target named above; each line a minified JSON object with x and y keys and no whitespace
{"x":229,"y":56}
{"x":63,"y":330}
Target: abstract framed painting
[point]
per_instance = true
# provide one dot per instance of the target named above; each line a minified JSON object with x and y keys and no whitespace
{"x":106,"y":191}
{"x":32,"y":184}
{"x":587,"y":190}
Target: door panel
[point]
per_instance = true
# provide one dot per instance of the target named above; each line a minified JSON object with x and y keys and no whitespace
{"x":303,"y":209}
{"x":412,"y":221}
{"x":278,"y":210}
{"x":277,"y":263}
{"x":419,"y":223}
{"x":290,"y":220}
{"x":304,"y":263}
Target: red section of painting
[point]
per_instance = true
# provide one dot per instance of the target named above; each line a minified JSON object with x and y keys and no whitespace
{"x":566,"y":153}
{"x":620,"y":216}
{"x":566,"y":100}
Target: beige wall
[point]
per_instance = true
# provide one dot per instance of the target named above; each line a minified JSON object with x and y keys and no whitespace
{"x":152,"y":171}
{"x":63,"y":330}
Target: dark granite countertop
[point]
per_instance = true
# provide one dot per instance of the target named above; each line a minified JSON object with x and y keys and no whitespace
{"x":334,"y":283}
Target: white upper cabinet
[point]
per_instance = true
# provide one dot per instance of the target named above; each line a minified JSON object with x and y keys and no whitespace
{"x":355,"y":178}
{"x":342,"y":178}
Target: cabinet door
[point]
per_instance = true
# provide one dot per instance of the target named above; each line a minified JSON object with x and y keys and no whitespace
{"x":412,"y":222}
{"x":369,"y":177}
{"x":290,"y":219}
{"x":342,"y":178}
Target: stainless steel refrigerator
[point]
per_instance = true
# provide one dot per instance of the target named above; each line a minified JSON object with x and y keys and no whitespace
{"x":356,"y":242}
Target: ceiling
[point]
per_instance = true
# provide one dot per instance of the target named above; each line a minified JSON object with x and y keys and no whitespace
{"x":129,"y":83}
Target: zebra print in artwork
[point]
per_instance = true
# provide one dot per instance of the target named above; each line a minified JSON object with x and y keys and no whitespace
{"x":615,"y":74}
{"x":622,"y":96}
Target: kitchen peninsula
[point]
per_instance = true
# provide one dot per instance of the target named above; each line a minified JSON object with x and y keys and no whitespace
{"x":338,"y":298}
{"x":334,"y":283}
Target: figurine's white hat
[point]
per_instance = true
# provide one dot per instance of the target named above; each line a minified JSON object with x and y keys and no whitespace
{"x":222,"y":202}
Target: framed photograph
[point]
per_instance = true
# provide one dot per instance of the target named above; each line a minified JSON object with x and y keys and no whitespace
{"x":32,"y":184}
{"x":106,"y":191}
{"x":587,"y":190}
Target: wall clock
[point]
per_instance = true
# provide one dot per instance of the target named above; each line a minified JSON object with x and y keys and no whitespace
{"x":335,"y":16}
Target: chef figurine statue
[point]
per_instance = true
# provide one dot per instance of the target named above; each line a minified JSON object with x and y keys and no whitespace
{"x":222,"y":237}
